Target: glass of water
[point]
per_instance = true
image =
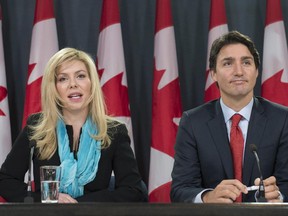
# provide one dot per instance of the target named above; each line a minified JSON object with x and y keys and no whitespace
{"x":50,"y":180}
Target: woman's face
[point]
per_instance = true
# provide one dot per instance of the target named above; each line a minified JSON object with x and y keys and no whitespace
{"x":74,"y":86}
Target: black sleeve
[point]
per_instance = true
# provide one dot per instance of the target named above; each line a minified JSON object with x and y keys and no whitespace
{"x":13,"y":170}
{"x":127,"y":178}
{"x":12,"y":186}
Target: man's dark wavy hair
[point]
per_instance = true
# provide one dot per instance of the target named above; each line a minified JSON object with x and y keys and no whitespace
{"x":232,"y":37}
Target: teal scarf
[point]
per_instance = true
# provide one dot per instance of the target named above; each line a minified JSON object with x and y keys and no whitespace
{"x":77,"y":173}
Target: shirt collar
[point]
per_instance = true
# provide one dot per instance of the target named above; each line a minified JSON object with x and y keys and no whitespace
{"x":228,"y":112}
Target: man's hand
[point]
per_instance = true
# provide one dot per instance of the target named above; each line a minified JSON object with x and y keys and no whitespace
{"x":272,"y":193}
{"x":225,"y":192}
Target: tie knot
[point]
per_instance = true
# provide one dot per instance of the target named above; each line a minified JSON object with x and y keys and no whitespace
{"x":236,"y":119}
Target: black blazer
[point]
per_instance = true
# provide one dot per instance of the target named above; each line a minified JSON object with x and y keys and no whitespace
{"x":202,"y":152}
{"x":118,"y":157}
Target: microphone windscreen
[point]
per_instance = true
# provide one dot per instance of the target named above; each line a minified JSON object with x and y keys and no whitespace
{"x":253,"y":147}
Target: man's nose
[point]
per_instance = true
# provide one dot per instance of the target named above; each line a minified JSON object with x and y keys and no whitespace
{"x":238,"y":69}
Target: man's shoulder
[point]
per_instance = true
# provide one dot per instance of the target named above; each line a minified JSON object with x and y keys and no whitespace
{"x":270,"y":105}
{"x":203,"y":112}
{"x":208,"y":107}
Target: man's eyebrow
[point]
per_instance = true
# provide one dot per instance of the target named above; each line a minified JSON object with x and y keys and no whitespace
{"x":242,"y":58}
{"x":227,"y":58}
{"x":247,"y":57}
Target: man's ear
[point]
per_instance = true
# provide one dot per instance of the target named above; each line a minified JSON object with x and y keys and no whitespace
{"x":213,"y":74}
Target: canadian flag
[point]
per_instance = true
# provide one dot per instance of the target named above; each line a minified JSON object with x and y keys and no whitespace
{"x":111,"y":65}
{"x":275,"y":55}
{"x":217,"y":27}
{"x":166,"y":102}
{"x":5,"y":132}
{"x":44,"y":44}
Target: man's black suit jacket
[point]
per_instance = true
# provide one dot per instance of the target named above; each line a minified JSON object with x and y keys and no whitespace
{"x":203,"y":157}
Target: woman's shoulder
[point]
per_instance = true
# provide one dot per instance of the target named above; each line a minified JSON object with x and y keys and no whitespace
{"x":116,"y":127}
{"x":34,"y":118}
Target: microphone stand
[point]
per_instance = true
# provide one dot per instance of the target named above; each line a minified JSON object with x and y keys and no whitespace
{"x":261,"y":192}
{"x":260,"y":195}
{"x":29,"y":198}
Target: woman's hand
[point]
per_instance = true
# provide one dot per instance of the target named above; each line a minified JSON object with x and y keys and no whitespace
{"x":65,"y":198}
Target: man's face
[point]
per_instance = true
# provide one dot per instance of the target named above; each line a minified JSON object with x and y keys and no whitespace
{"x":235,"y":73}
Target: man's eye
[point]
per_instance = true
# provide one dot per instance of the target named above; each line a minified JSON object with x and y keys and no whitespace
{"x":247,"y":63}
{"x":226,"y":63}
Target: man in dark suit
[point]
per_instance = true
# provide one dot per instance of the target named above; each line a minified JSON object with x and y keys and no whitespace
{"x":204,"y":168}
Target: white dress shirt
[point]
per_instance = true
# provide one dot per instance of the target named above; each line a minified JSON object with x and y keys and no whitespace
{"x":245,"y":112}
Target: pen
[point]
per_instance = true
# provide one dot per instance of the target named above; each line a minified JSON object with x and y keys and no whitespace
{"x":252,"y":188}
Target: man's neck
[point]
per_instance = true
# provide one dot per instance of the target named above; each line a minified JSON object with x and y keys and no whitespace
{"x":237,"y":104}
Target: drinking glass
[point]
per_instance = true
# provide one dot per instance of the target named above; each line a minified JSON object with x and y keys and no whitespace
{"x":50,"y":181}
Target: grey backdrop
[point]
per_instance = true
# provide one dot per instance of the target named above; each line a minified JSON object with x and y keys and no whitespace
{"x":78,"y":26}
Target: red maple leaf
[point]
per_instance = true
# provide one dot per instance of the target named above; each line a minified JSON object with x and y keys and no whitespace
{"x":100,"y":73}
{"x":33,"y":96}
{"x":116,"y":96}
{"x":3,"y":95}
{"x":166,"y":105}
{"x":212,"y":92}
{"x":161,"y":193}
{"x":275,"y":90}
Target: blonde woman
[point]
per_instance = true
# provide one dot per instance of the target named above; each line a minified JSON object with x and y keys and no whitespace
{"x":74,"y":131}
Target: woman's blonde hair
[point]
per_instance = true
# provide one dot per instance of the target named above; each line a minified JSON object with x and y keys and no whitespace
{"x":44,"y":132}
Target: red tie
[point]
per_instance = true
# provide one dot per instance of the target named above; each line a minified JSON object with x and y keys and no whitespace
{"x":236,"y":145}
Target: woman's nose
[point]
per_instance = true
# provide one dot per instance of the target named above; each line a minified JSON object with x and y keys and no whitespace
{"x":73,"y":83}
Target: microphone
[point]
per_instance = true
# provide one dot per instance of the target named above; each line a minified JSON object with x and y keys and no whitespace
{"x":261,"y":191}
{"x":29,"y":198}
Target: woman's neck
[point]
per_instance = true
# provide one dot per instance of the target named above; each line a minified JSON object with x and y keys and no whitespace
{"x":75,"y":118}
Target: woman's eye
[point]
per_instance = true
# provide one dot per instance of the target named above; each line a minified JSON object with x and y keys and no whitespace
{"x":81,"y":76}
{"x":62,"y":79}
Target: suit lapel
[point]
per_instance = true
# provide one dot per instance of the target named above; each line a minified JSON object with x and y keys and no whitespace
{"x":218,"y":132}
{"x":255,"y":132}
